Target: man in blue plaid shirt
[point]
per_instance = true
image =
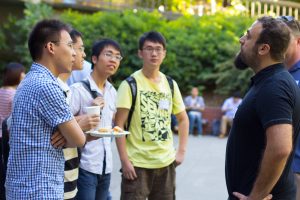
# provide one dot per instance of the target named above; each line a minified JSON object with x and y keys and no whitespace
{"x":35,"y":167}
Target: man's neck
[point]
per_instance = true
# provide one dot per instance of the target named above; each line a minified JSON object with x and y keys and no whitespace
{"x":152,"y":74}
{"x":264,"y":64}
{"x":293,"y":62}
{"x":64,"y":77}
{"x":49,"y":65}
{"x":100,"y":80}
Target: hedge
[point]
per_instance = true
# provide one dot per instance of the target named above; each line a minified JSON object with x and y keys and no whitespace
{"x":200,"y":50}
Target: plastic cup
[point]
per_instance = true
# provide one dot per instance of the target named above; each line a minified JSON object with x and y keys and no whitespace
{"x":92,"y":110}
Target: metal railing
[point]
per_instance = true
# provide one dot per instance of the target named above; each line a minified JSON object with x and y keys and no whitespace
{"x":163,"y":6}
{"x":253,"y":7}
{"x":274,"y":8}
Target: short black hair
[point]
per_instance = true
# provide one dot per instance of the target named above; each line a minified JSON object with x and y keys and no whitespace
{"x":43,"y":32}
{"x":152,"y":36}
{"x":237,"y":94}
{"x":101,"y":44}
{"x":276,"y":34}
{"x":12,"y":74}
{"x":75,"y":34}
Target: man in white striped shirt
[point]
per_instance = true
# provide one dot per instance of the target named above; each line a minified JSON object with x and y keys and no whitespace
{"x":86,"y":122}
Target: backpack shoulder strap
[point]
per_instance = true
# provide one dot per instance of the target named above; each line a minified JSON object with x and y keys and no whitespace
{"x":133,"y":88}
{"x":87,"y":86}
{"x":171,"y":84}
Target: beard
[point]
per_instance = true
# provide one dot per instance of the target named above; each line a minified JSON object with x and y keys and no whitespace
{"x":239,"y":63}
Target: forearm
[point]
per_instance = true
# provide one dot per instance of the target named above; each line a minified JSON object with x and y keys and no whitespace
{"x":268,"y":176}
{"x":121,"y":146}
{"x":183,"y":127}
{"x":72,"y":133}
{"x":77,"y":118}
{"x":201,"y":109}
{"x":120,"y":120}
{"x":72,"y":145}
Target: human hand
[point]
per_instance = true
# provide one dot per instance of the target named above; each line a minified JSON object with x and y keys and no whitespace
{"x":179,"y":157}
{"x":58,"y":140}
{"x":128,"y":170}
{"x":88,"y":122}
{"x":99,"y":101}
{"x":243,"y":197}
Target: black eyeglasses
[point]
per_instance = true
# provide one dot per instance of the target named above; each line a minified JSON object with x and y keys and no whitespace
{"x":69,"y":44}
{"x":289,"y":19}
{"x":112,"y":56}
{"x":150,"y":50}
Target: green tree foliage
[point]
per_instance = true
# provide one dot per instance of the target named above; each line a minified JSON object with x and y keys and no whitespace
{"x":15,"y":33}
{"x":200,"y":50}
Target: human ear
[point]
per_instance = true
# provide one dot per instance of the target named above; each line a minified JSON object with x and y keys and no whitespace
{"x":50,"y":47}
{"x":94,"y":59}
{"x":263,"y":49}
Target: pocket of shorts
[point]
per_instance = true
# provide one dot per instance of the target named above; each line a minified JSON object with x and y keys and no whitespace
{"x":175,"y":164}
{"x":129,"y":186}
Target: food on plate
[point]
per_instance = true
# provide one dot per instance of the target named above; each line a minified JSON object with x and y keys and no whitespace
{"x":117,"y":129}
{"x":104,"y":130}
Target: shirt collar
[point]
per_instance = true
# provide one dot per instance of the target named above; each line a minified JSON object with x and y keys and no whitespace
{"x":42,"y":69}
{"x":63,"y":85}
{"x":94,"y":87}
{"x":266,"y":72}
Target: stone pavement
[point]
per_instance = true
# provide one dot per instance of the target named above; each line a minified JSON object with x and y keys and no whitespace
{"x":200,"y":177}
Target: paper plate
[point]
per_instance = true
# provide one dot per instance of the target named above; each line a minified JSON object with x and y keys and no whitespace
{"x":108,"y":134}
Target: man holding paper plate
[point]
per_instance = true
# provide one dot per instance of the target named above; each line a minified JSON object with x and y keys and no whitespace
{"x":96,"y":157}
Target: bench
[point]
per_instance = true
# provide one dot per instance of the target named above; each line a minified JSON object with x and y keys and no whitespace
{"x":208,"y":115}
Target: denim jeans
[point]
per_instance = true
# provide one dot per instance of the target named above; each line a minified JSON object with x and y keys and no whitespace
{"x":195,"y":118}
{"x":92,"y":186}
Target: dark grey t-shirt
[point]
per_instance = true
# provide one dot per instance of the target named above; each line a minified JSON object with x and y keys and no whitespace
{"x":273,"y":98}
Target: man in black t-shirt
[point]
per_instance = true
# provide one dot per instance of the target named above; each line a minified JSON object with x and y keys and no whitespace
{"x":266,"y":125}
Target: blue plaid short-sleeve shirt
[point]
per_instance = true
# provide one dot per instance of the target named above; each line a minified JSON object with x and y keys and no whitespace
{"x":35,"y":168}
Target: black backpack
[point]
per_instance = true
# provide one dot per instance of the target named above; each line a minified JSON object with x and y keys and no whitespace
{"x":133,"y":88}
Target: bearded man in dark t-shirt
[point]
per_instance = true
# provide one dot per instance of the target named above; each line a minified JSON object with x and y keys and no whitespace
{"x":261,"y":143}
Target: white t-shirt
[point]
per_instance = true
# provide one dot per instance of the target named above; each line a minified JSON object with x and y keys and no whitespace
{"x":230,"y":107}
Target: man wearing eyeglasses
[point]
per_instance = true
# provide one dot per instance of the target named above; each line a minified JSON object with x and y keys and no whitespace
{"x":147,"y":155}
{"x":96,"y":157}
{"x":86,"y":122}
{"x":292,"y":62}
{"x":261,"y":141}
{"x":35,"y":167}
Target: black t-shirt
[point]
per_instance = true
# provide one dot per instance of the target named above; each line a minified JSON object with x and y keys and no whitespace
{"x":273,"y":98}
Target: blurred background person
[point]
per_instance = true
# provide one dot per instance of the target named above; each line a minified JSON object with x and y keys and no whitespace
{"x":12,"y":76}
{"x":195,"y":106}
{"x":229,"y":109}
